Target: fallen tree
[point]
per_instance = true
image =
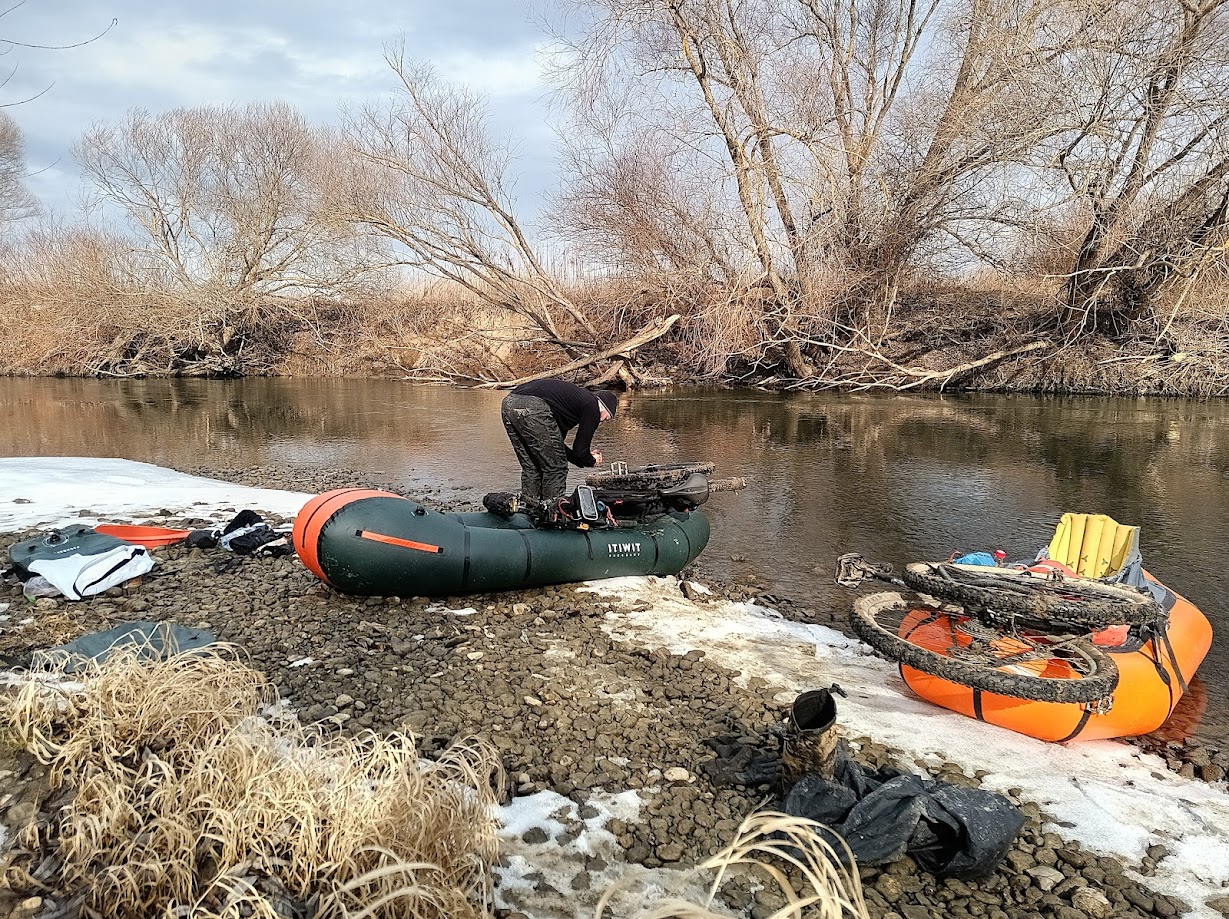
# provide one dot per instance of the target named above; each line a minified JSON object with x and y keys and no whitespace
{"x":901,"y":379}
{"x":623,"y":351}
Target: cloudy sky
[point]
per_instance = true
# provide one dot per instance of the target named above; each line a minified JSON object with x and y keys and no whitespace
{"x":312,"y":54}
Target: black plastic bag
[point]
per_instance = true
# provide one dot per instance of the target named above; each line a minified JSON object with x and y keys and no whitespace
{"x":950,"y":830}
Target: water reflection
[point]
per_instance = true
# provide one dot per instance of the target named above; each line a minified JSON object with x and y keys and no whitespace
{"x":897,"y":478}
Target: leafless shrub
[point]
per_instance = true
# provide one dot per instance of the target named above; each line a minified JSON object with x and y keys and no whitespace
{"x":229,"y":203}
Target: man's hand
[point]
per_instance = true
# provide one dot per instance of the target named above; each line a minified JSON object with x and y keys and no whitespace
{"x":597,"y":457}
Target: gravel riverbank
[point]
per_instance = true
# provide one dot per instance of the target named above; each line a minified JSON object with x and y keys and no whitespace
{"x":1188,"y":757}
{"x":571,"y":709}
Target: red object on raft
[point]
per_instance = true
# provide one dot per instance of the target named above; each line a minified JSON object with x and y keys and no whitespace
{"x":149,"y":537}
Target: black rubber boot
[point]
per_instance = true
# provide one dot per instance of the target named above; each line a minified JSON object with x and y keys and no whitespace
{"x":810,"y":741}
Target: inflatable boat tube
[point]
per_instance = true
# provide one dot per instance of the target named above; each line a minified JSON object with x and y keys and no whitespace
{"x":375,"y":543}
{"x":1152,"y":677}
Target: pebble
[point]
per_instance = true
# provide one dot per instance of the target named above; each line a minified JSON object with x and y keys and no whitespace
{"x":1045,"y":877}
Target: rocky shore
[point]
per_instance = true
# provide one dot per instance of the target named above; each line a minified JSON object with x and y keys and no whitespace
{"x":571,"y":709}
{"x":1184,"y":755}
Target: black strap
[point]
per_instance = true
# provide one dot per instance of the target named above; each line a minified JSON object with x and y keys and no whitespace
{"x":1154,"y":640}
{"x":1173,"y":659}
{"x":1075,"y":732}
{"x":80,"y":592}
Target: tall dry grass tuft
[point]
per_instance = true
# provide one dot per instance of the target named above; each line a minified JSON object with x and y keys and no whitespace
{"x":191,"y":796}
{"x":787,"y":854}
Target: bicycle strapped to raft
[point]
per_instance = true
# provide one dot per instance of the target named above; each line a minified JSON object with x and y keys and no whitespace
{"x":622,"y":494}
{"x":1032,"y":634}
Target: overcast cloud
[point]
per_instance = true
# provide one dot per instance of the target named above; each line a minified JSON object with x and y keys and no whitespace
{"x":312,"y":54}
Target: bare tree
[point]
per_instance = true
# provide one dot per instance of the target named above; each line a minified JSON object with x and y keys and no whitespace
{"x":713,"y":111}
{"x":852,"y":135}
{"x":231,"y":208}
{"x":1149,"y":162}
{"x":433,"y":181}
{"x":915,"y":129}
{"x":632,"y":204}
{"x":16,"y":201}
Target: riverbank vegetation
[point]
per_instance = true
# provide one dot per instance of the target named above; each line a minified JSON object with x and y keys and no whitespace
{"x":913,"y":194}
{"x":181,"y":788}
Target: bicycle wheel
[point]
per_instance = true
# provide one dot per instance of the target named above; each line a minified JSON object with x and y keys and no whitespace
{"x":648,"y":476}
{"x":1010,"y":591}
{"x":955,"y":646}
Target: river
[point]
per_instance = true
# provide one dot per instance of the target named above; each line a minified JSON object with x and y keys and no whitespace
{"x":895,"y":477}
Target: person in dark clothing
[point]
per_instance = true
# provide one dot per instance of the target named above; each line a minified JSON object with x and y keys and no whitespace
{"x":537,"y":416}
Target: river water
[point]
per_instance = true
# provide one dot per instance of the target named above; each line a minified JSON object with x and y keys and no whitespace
{"x":897,"y":478}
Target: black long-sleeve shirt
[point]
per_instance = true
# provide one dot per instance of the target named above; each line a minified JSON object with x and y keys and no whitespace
{"x":572,"y":407}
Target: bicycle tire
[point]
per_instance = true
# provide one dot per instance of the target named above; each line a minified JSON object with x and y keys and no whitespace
{"x":1086,"y":601}
{"x":648,"y":476}
{"x":868,"y":620}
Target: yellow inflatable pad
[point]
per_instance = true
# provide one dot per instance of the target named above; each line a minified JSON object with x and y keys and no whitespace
{"x":1093,"y":545}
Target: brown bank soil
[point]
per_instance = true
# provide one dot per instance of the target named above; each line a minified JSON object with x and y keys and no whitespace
{"x":570,"y":709}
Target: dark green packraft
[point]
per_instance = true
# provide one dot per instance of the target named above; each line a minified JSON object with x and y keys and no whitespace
{"x":74,"y":540}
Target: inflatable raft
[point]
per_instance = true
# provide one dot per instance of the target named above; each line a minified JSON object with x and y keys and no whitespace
{"x":1154,"y":672}
{"x":375,"y":543}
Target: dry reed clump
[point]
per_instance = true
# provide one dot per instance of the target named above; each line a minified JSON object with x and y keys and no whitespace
{"x":189,"y":796}
{"x":789,"y":853}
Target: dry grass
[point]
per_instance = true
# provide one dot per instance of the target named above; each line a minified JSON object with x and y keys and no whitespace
{"x":186,"y":800}
{"x":787,"y":854}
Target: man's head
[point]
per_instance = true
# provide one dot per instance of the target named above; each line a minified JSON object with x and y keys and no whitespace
{"x":608,"y":402}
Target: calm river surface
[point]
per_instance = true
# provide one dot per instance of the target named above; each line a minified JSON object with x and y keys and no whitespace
{"x":898,"y":478}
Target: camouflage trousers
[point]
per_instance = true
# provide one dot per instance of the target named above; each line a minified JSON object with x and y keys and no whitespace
{"x":539,"y":446}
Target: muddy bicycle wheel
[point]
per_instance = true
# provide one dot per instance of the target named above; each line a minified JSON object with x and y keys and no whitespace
{"x":648,"y":476}
{"x":953,"y":645}
{"x":1008,"y":592}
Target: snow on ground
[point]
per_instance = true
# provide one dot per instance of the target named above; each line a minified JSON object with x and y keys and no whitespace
{"x":37,"y":491}
{"x":547,"y":837}
{"x":1108,"y":796}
